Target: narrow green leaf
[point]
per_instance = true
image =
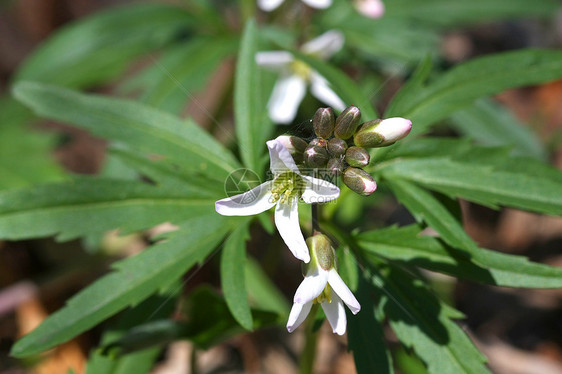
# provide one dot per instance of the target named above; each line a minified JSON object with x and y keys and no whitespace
{"x":133,"y":280}
{"x":490,"y":124}
{"x":101,"y":46}
{"x":477,"y":78}
{"x":432,"y":147}
{"x":480,"y":183}
{"x":233,"y":279}
{"x":262,"y":291}
{"x":253,"y":126}
{"x":407,"y":245}
{"x":90,"y":205}
{"x":134,"y":124}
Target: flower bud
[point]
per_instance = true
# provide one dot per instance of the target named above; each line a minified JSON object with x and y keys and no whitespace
{"x":357,"y":156}
{"x":335,"y":166}
{"x":324,"y":122}
{"x":337,"y":147}
{"x":293,"y":144}
{"x":347,"y":122}
{"x":322,"y":251}
{"x":316,"y":156}
{"x":359,"y":181}
{"x":381,"y":133}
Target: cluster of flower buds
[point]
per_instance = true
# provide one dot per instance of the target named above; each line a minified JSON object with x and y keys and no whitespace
{"x":341,"y":142}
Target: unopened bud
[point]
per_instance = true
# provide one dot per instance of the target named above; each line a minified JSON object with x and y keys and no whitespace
{"x":293,"y":143}
{"x":323,"y":122}
{"x":322,"y":251}
{"x":381,"y":133}
{"x":357,"y":156}
{"x":347,"y":122}
{"x":337,"y":147}
{"x":359,"y":181}
{"x":316,"y":157}
{"x":335,"y":166}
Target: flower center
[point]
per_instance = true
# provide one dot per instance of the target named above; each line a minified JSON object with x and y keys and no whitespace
{"x":286,"y":186}
{"x":326,"y":295}
{"x":301,"y":69}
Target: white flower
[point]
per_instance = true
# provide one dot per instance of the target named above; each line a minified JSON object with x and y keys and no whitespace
{"x":269,"y":5}
{"x":370,"y":8}
{"x":290,"y":89}
{"x":321,"y":279}
{"x":283,"y":192}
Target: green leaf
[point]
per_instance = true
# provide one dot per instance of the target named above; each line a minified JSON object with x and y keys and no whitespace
{"x":490,"y":124}
{"x":423,"y":322}
{"x":262,"y":291}
{"x":134,"y":124}
{"x":233,"y":279}
{"x":253,"y":126}
{"x":432,"y":147}
{"x":90,"y":205}
{"x":345,"y":88}
{"x":480,"y":183}
{"x":407,"y":245}
{"x":133,"y":280}
{"x":425,"y":207}
{"x":458,"y":88}
{"x":100,"y":47}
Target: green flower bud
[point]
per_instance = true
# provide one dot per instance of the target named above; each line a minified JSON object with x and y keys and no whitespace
{"x":359,"y":181}
{"x":323,"y":122}
{"x":321,"y":251}
{"x":316,"y":156}
{"x":347,"y":122}
{"x":381,"y":133}
{"x":357,"y":156}
{"x":335,"y":166}
{"x":337,"y":147}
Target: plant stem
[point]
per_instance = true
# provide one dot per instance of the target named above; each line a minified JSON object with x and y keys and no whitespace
{"x":315,"y":225}
{"x":309,"y":352}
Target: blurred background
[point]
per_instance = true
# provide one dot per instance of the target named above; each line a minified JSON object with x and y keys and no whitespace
{"x":520,"y":331}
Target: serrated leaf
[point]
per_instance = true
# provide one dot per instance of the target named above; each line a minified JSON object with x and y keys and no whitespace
{"x":133,"y":280}
{"x":94,"y":205}
{"x":407,"y":245}
{"x":423,"y":322}
{"x":253,"y":126}
{"x":456,"y":89}
{"x":101,"y":46}
{"x":233,"y":279}
{"x":490,"y":124}
{"x":480,"y":183}
{"x":136,"y":125}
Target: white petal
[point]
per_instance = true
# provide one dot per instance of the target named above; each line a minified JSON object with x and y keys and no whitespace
{"x":319,"y":191}
{"x":269,"y":5}
{"x":298,"y":314}
{"x":319,"y":4}
{"x":370,"y":8}
{"x":311,"y":287}
{"x":287,"y":222}
{"x":287,"y":94}
{"x":343,"y":291}
{"x":254,"y":201}
{"x":394,"y":129}
{"x":280,"y":159}
{"x":274,"y":60}
{"x":325,"y":45}
{"x":320,"y":88}
{"x":335,"y":313}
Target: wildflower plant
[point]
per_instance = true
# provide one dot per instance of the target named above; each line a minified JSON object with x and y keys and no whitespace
{"x":164,"y":167}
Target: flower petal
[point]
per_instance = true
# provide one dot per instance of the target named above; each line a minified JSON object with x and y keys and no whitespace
{"x":269,"y":5}
{"x":320,"y":88}
{"x":370,"y":8}
{"x":319,"y":191}
{"x":319,"y":4}
{"x":325,"y":45}
{"x":335,"y":313}
{"x":287,"y":94}
{"x":298,"y":314}
{"x":311,"y":287}
{"x":254,"y":201}
{"x":287,"y":222}
{"x":343,"y":291}
{"x":280,"y":159}
{"x":274,"y":60}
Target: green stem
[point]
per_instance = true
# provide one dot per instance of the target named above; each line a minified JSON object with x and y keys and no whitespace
{"x":315,"y":224}
{"x":311,"y":336}
{"x":248,"y":9}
